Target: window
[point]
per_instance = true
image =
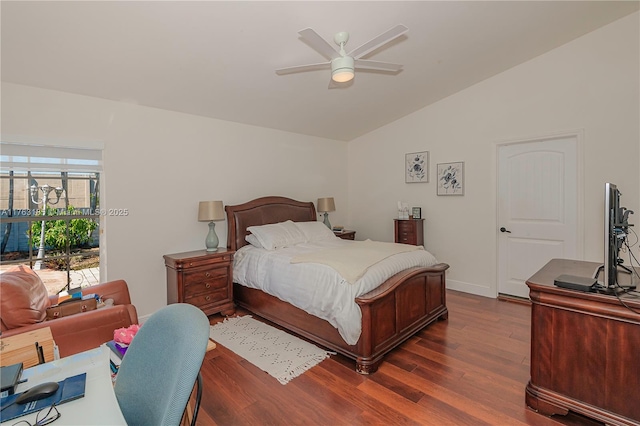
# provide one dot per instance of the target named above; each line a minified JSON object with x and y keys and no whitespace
{"x":49,"y":206}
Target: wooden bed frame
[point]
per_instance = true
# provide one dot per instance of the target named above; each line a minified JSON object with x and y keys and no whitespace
{"x":391,"y":313}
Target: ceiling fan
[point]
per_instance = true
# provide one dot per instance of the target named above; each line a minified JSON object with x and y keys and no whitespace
{"x":342,"y":64}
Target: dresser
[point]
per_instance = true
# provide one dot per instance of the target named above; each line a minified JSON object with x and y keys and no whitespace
{"x":584,"y":348}
{"x":409,"y":231}
{"x":203,"y":279}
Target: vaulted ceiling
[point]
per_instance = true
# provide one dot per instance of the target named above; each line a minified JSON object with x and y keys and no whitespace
{"x":218,"y":58}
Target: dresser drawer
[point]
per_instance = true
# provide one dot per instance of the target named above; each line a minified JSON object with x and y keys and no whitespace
{"x":406,"y":232}
{"x":405,"y":239}
{"x":406,"y":226}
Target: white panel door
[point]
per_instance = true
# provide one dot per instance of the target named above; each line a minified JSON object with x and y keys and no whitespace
{"x":537,"y":209}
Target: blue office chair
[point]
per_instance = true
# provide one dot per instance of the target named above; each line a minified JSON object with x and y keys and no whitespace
{"x":161,"y":365}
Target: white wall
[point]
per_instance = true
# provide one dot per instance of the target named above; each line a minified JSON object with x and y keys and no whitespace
{"x":590,"y":84}
{"x":159,"y":164}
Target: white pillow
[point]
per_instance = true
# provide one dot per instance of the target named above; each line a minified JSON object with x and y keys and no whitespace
{"x":278,"y":235}
{"x":315,"y":231}
{"x":251,"y":239}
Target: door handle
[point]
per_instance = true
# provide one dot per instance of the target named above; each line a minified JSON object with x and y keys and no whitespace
{"x":503,"y":229}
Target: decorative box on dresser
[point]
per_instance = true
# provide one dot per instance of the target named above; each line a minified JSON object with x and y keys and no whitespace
{"x":409,"y":231}
{"x":203,"y":279}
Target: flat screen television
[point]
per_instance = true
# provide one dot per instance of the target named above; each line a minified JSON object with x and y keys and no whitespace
{"x":616,"y":227}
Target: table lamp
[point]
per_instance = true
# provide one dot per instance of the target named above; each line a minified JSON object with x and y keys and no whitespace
{"x":210,"y":211}
{"x":326,"y":205}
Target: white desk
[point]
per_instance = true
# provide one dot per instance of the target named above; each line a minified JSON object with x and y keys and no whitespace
{"x":99,"y":405}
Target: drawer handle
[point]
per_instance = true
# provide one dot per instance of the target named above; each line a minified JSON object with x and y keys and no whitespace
{"x":207,"y":298}
{"x":207,"y":285}
{"x":190,"y":263}
{"x":207,"y":274}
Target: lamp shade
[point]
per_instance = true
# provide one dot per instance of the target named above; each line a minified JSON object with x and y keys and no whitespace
{"x":326,"y":205}
{"x":210,"y":210}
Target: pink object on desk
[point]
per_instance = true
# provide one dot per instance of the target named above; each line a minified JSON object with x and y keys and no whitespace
{"x":125,"y":335}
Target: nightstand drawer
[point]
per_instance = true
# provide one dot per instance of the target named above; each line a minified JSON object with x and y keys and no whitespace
{"x":207,"y":262}
{"x":202,"y":300}
{"x":205,"y":275}
{"x":193,"y":288}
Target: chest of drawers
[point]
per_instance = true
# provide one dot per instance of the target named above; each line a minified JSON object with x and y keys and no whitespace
{"x":203,"y":279}
{"x":409,"y":231}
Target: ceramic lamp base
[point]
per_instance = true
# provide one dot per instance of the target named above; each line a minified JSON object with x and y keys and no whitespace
{"x":212,"y":239}
{"x":326,"y":220}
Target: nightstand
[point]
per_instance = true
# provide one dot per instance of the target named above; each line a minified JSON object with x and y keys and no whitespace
{"x":409,"y":231}
{"x":203,"y":279}
{"x":345,"y":234}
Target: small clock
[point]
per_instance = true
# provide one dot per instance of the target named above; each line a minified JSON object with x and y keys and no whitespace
{"x":417,"y":212}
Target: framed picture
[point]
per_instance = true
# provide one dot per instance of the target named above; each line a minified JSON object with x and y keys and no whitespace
{"x":416,"y":212}
{"x":451,"y":178}
{"x":416,"y":167}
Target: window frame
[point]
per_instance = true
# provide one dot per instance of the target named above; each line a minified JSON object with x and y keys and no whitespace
{"x":46,"y":161}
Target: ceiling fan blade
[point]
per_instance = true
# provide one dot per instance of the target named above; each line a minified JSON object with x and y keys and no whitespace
{"x":319,"y":44}
{"x":378,"y":41}
{"x":363,"y":64}
{"x":301,"y":68}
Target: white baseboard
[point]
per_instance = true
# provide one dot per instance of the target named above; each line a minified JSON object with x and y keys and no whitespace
{"x":471,"y":288}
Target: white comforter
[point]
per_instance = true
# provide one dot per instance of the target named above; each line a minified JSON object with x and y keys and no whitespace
{"x":315,"y":288}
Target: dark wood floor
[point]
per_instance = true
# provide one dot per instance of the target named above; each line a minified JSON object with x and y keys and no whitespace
{"x":469,"y":370}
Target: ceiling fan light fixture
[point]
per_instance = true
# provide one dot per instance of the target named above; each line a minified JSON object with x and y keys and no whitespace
{"x":342,"y":69}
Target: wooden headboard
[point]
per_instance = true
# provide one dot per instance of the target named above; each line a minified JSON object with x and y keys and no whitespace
{"x":263,"y":211}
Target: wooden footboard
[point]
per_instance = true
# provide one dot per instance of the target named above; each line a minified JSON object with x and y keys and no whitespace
{"x":391,"y":313}
{"x":396,"y":310}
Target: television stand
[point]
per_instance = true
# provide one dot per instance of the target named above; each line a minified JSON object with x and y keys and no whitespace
{"x":594,"y":372}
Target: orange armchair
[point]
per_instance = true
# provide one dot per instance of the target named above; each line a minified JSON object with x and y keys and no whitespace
{"x":23,"y":303}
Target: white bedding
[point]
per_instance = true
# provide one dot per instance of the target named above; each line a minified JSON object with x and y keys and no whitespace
{"x":315,"y":288}
{"x":353,"y":260}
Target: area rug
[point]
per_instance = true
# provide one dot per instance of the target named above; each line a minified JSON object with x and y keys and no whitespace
{"x":280,"y":354}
